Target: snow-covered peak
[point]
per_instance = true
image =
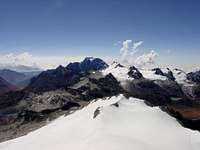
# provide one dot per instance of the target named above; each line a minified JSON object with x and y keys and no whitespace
{"x":181,"y":77}
{"x":116,"y":64}
{"x":121,"y":72}
{"x":118,"y":71}
{"x":150,"y":74}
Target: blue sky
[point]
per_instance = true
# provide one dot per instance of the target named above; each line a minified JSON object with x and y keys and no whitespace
{"x":92,"y":27}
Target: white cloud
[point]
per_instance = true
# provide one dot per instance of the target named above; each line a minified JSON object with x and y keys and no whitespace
{"x":135,"y":47}
{"x":126,"y":46}
{"x":26,"y":59}
{"x":129,"y":47}
{"x":137,"y":44}
{"x":146,"y":59}
{"x":17,"y":59}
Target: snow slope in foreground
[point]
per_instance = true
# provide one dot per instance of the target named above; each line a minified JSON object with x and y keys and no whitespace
{"x":132,"y":125}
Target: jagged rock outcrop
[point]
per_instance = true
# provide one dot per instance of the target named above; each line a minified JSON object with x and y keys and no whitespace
{"x":88,"y":64}
{"x":134,"y":73}
{"x":149,"y":91}
{"x":192,"y":92}
{"x":116,"y":64}
{"x":97,"y":86}
{"x":167,"y":74}
{"x":172,"y":88}
{"x":194,"y":77}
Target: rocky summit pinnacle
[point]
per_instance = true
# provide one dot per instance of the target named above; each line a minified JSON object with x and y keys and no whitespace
{"x":88,"y":64}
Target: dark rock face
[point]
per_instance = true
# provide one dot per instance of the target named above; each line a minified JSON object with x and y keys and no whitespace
{"x":188,"y":117}
{"x":158,"y":71}
{"x":90,"y":63}
{"x":69,"y":105}
{"x":119,"y":65}
{"x":196,"y":91}
{"x":194,"y":76}
{"x":24,"y":112}
{"x":87,"y":64}
{"x":52,"y":79}
{"x":193,"y":92}
{"x":107,"y":86}
{"x":149,"y":91}
{"x":116,"y":104}
{"x":169,"y":74}
{"x":29,"y":115}
{"x":96,"y":112}
{"x":74,"y":67}
{"x":10,"y":99}
{"x":134,"y":73}
{"x":99,"y":87}
{"x":172,"y":88}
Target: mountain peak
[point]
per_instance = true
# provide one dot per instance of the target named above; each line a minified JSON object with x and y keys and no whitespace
{"x":88,"y":64}
{"x":60,"y":67}
{"x":116,"y":64}
{"x":89,"y":59}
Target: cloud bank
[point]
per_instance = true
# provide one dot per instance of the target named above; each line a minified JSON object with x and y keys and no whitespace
{"x":27,"y":59}
{"x":148,"y":59}
{"x":17,"y":59}
{"x":128,"y":52}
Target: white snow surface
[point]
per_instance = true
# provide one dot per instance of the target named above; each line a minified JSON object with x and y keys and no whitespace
{"x":131,"y":126}
{"x":120,"y":73}
{"x":181,"y":77}
{"x":149,"y":74}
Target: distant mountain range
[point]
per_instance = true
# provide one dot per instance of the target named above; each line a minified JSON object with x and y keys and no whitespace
{"x":6,"y":86}
{"x":20,"y":68}
{"x":66,"y":89}
{"x":65,"y":76}
{"x":17,"y":79}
